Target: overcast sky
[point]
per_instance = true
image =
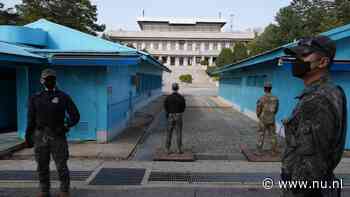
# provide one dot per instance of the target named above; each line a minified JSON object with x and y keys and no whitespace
{"x":247,"y":13}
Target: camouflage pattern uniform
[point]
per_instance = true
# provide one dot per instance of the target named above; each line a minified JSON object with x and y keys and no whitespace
{"x":315,"y":138}
{"x":267,"y":107}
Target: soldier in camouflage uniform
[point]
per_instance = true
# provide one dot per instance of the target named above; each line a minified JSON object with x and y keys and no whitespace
{"x":266,"y":109}
{"x":315,"y":131}
{"x":46,"y":131}
{"x":175,"y":106}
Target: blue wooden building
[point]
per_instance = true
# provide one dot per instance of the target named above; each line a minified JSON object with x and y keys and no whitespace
{"x":241,"y":83}
{"x":106,"y":80}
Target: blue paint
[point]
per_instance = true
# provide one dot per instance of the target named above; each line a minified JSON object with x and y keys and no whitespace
{"x":123,"y":61}
{"x":239,"y":84}
{"x":15,"y":34}
{"x":96,"y":73}
{"x":65,"y":38}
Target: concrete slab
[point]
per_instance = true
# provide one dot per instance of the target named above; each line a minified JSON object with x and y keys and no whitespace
{"x":161,"y":155}
{"x":9,"y":143}
{"x":265,"y":156}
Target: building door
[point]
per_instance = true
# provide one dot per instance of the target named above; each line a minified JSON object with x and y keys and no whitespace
{"x":8,"y":100}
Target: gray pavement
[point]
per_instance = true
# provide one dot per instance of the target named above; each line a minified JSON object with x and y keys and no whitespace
{"x":212,"y":130}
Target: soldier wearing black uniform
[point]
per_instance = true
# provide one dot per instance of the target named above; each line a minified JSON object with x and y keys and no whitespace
{"x":46,"y":131}
{"x":175,"y":106}
{"x":315,"y":132}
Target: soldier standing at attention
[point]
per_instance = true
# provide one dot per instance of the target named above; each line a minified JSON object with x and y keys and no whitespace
{"x":315,"y":132}
{"x":46,"y":131}
{"x":175,"y":106}
{"x":266,"y":109}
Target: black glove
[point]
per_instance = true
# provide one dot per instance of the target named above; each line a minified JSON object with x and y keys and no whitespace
{"x":29,"y":140}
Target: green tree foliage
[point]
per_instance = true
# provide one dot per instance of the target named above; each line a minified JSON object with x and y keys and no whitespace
{"x":187,"y":78}
{"x":240,"y":52}
{"x":8,"y":16}
{"x":301,"y":18}
{"x":77,"y":14}
{"x":225,"y":57}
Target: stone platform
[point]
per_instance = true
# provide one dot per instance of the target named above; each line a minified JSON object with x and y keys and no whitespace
{"x":264,"y":156}
{"x":161,"y":155}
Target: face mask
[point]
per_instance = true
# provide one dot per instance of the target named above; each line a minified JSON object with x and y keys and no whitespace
{"x":300,"y":68}
{"x":49,"y":83}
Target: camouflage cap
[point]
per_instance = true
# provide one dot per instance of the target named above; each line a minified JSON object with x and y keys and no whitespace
{"x":48,"y":72}
{"x":267,"y":84}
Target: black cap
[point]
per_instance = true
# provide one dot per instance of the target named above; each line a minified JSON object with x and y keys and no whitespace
{"x":320,"y":44}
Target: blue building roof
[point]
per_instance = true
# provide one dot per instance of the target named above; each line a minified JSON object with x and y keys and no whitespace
{"x":336,"y":34}
{"x":71,"y":46}
{"x":14,"y":53}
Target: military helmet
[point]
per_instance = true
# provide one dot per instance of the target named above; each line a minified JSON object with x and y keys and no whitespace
{"x":175,"y":86}
{"x":48,"y":72}
{"x":267,"y":84}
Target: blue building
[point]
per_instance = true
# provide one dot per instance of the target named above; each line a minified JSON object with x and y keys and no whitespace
{"x":106,"y":80}
{"x":241,"y":83}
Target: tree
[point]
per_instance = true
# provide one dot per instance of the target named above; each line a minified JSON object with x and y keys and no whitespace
{"x":301,"y":18}
{"x":240,"y":52}
{"x":8,"y":16}
{"x":225,"y":57}
{"x":77,"y":14}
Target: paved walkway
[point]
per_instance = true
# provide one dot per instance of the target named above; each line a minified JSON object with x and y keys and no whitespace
{"x":9,"y":142}
{"x":242,"y":186}
{"x":119,"y":149}
{"x":212,"y":130}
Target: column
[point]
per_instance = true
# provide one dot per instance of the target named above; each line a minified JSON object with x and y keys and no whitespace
{"x":185,"y":45}
{"x":151,"y":45}
{"x":211,"y":46}
{"x":177,"y":45}
{"x":185,"y":61}
{"x":211,"y":61}
{"x":177,"y":61}
{"x":143,"y":45}
{"x":194,"y":61}
{"x":168,"y":61}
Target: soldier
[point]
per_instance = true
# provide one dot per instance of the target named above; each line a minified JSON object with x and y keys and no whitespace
{"x":46,"y":131}
{"x":315,"y":131}
{"x":175,"y":106}
{"x":266,"y":109}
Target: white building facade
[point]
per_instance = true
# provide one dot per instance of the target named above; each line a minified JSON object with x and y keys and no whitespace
{"x":182,"y":44}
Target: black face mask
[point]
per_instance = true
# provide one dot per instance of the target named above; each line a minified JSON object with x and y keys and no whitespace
{"x":50,"y":83}
{"x":300,"y":68}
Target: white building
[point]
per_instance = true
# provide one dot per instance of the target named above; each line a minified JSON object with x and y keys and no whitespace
{"x":186,"y":45}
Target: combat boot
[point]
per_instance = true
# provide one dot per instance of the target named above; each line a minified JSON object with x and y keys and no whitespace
{"x":44,"y":194}
{"x":63,"y":194}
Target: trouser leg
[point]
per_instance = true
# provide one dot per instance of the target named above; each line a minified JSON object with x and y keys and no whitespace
{"x":274,"y":142}
{"x":60,"y":155}
{"x":260,"y":136}
{"x":179,"y":134}
{"x":170,"y":129}
{"x":42,"y":158}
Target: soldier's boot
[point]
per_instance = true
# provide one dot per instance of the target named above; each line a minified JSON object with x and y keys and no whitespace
{"x":44,"y":194}
{"x":167,"y":151}
{"x":63,"y":194}
{"x":180,"y":151}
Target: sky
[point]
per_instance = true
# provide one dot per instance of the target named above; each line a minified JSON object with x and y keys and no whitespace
{"x":118,"y":14}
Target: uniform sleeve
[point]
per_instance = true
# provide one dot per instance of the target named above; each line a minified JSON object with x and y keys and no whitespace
{"x":258,"y":107}
{"x":31,"y":124}
{"x":314,"y":141}
{"x":73,"y":113}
